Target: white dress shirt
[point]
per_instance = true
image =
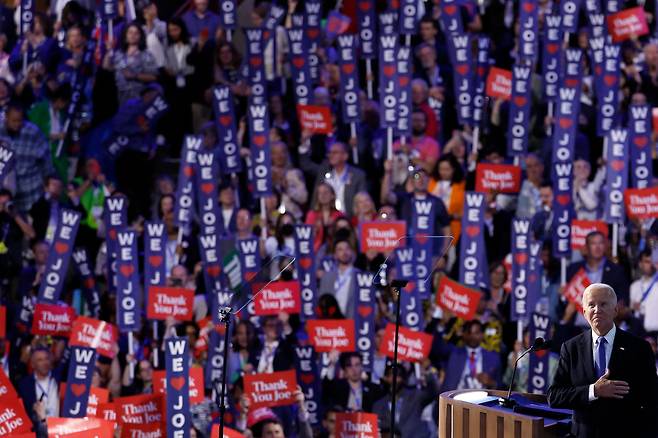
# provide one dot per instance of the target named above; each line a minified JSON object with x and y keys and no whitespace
{"x":610,"y":338}
{"x":467,"y":381}
{"x":46,"y":391}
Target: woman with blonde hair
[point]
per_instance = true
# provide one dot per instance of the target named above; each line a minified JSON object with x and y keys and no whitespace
{"x":363,"y":208}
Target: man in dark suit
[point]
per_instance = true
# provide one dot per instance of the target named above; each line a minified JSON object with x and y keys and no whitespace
{"x":40,"y":390}
{"x":471,"y":366}
{"x":606,"y":375}
{"x":346,"y":180}
{"x":352,"y":392}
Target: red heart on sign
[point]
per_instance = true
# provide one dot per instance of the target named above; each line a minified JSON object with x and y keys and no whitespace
{"x":206,"y":187}
{"x":520,"y":101}
{"x":480,"y":71}
{"x":610,"y":80}
{"x":552,"y":48}
{"x":177,"y":382}
{"x":113,"y":234}
{"x":348,"y":68}
{"x":462,"y":69}
{"x":598,"y":70}
{"x":563,"y":199}
{"x":313,"y":32}
{"x":450,"y":9}
{"x":298,"y":62}
{"x":617,"y":165}
{"x":213,"y":271}
{"x":565,"y":123}
{"x":155,"y":260}
{"x":640,"y":141}
{"x":409,"y":287}
{"x":188,"y":171}
{"x":528,"y":6}
{"x":532,"y":278}
{"x":255,"y":61}
{"x":307,"y":378}
{"x":520,"y":258}
{"x":472,"y":230}
{"x":306,"y":262}
{"x":225,"y":120}
{"x":89,"y":283}
{"x":266,"y":34}
{"x":364,"y":6}
{"x":389,"y":70}
{"x":421,"y":238}
{"x":571,"y":82}
{"x":78,"y":389}
{"x":364,"y":311}
{"x":403,"y":80}
{"x":61,"y":247}
{"x":541,"y":353}
{"x":259,"y":140}
{"x":126,"y":270}
{"x":248,"y":276}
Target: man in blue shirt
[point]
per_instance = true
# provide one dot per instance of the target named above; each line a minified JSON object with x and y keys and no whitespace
{"x":200,"y":19}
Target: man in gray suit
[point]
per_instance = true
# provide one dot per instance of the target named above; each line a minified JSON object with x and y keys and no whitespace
{"x":346,"y":180}
{"x":340,"y":282}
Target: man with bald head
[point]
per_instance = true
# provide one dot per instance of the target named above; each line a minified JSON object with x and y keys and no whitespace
{"x":606,"y":375}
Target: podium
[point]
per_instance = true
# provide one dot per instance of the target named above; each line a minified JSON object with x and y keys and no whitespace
{"x":476,"y":413}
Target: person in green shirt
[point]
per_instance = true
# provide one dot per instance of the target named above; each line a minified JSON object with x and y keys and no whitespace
{"x":92,"y":191}
{"x":49,"y":115}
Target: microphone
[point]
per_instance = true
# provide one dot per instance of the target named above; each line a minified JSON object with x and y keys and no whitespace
{"x":538,"y":344}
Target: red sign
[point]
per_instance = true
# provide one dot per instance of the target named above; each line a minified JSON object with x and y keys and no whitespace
{"x":277,"y":297}
{"x":413,"y":346}
{"x":107,"y":411}
{"x":228,"y":432}
{"x":7,"y":389}
{"x":153,"y":430}
{"x":3,"y":322}
{"x":382,"y":236}
{"x":626,"y":24}
{"x":356,"y":424}
{"x":164,"y":302}
{"x":79,"y":427}
{"x":271,"y":389}
{"x":458,"y":299}
{"x":14,"y":418}
{"x":331,"y":334}
{"x":499,"y":83}
{"x":573,"y":291}
{"x":641,"y":203}
{"x":503,"y":178}
{"x":195,"y":379}
{"x":52,"y":319}
{"x":97,"y":396}
{"x":581,"y":228}
{"x":89,"y":332}
{"x":316,"y":119}
{"x":140,"y":409}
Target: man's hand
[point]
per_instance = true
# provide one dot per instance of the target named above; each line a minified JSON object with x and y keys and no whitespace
{"x":605,"y":388}
{"x":486,"y":380}
{"x":40,"y":410}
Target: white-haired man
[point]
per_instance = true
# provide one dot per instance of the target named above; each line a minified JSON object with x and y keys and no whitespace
{"x":606,"y":375}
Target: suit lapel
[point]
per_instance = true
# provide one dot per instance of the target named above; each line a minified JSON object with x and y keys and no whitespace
{"x":588,"y":357}
{"x":618,"y":349}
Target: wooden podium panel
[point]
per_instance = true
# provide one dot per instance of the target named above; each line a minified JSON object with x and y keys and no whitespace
{"x":462,"y":419}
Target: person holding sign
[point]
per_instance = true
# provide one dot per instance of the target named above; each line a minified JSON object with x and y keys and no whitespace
{"x":606,"y":374}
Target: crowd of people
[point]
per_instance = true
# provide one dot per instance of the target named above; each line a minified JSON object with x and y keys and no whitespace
{"x":334,"y":182}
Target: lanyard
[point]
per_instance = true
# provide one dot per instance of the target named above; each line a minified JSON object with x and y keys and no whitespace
{"x":44,"y":392}
{"x":342,"y":279}
{"x":647,"y":291}
{"x":356,"y":397}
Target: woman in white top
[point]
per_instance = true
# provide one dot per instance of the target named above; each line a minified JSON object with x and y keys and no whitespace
{"x":585,"y":192}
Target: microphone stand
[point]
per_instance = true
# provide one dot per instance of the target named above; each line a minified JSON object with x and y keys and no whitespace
{"x":507,"y":402}
{"x":224,"y":317}
{"x":396,"y":285}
